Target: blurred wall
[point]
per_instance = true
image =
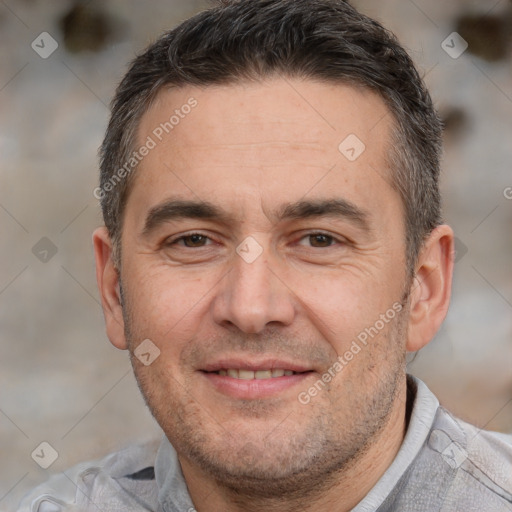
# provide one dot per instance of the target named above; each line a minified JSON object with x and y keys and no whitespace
{"x":61,"y":381}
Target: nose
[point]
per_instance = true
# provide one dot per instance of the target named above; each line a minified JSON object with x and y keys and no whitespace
{"x":252,"y":295}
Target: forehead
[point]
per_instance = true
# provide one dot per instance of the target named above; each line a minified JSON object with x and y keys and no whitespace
{"x":288,"y":109}
{"x":281,"y":137}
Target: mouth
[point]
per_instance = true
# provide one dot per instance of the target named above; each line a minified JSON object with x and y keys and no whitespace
{"x":239,"y":373}
{"x":243,"y":380}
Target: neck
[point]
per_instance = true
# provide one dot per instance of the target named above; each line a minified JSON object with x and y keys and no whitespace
{"x":341,"y":493}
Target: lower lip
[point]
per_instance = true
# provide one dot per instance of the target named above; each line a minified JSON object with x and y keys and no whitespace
{"x":254,"y":388}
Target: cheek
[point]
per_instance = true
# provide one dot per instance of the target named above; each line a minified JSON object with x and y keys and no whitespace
{"x":342,"y":304}
{"x":359,"y":319}
{"x":163,"y":303}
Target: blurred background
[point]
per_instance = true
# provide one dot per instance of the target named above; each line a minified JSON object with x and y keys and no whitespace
{"x":61,"y":381}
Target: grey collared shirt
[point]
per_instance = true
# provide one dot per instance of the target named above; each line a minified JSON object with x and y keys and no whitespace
{"x":443,"y":465}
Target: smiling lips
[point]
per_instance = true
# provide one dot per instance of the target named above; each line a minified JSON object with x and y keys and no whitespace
{"x":243,"y":369}
{"x":243,"y":380}
{"x":258,"y":374}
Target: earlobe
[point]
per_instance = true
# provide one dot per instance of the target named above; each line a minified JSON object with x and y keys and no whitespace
{"x":107,"y":277}
{"x":431,"y":288}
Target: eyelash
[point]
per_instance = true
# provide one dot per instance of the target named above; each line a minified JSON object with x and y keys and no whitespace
{"x":313,"y":233}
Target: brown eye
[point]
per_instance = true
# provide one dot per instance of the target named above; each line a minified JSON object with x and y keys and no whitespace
{"x":320,"y":240}
{"x":191,"y":241}
{"x":195,"y":240}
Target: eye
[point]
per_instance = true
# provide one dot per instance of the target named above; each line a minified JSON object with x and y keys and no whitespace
{"x":320,"y":240}
{"x":191,"y":240}
{"x":316,"y":240}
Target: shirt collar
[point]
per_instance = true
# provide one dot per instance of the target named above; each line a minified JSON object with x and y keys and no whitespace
{"x":420,"y":423}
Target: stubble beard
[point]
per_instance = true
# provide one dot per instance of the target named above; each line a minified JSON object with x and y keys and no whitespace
{"x":295,"y":465}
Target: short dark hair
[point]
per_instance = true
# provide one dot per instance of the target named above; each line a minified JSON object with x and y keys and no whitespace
{"x":325,"y":40}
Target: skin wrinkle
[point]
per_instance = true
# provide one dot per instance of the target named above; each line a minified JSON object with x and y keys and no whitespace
{"x":295,"y":301}
{"x":315,"y":439}
{"x":263,"y":486}
{"x":274,"y":90}
{"x":335,"y":208}
{"x":376,"y":62}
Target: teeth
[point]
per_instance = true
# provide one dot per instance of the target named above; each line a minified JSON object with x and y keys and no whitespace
{"x":263,"y":374}
{"x":259,"y":374}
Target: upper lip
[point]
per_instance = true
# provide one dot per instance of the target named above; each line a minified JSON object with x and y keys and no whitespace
{"x":255,"y":365}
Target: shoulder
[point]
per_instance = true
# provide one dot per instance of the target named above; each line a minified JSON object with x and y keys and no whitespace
{"x":477,"y":462}
{"x":449,"y":464}
{"x":125,"y":477}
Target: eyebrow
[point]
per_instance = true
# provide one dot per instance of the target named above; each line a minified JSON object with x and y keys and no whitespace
{"x":185,"y":209}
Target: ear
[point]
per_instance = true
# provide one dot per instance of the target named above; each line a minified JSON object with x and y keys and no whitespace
{"x":107,"y":278}
{"x":431,"y":288}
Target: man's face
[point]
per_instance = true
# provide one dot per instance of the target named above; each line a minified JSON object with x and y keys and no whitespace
{"x":307,"y":254}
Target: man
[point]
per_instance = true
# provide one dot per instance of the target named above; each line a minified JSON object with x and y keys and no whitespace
{"x":273,"y":247}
